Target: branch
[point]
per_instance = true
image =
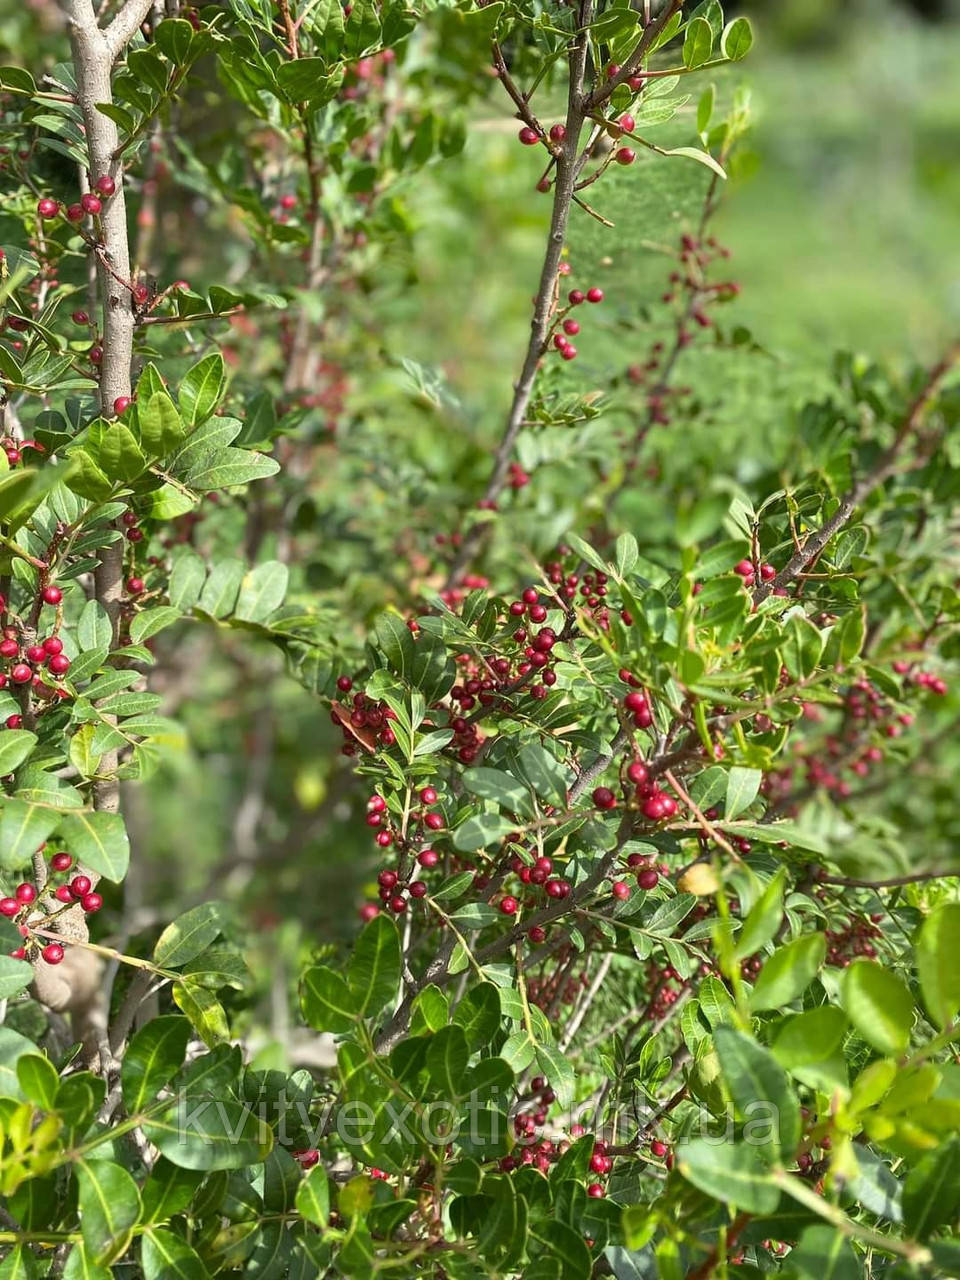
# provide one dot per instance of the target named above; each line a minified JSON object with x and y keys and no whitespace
{"x":892,"y":882}
{"x":126,"y":25}
{"x":563,"y":191}
{"x":885,"y":468}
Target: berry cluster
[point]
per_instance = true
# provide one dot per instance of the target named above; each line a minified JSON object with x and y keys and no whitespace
{"x":25,"y":904}
{"x":365,"y":725}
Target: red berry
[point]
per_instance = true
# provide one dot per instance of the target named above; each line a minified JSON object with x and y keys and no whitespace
{"x":52,"y":953}
{"x":52,"y":645}
{"x":59,"y":664}
{"x":91,"y":203}
{"x":398,"y":904}
{"x":604,"y":798}
{"x":637,"y":772}
{"x":418,"y":889}
{"x":62,"y":893}
{"x":134,"y":586}
{"x":91,"y":902}
{"x":744,"y":568}
{"x":428,"y":795}
{"x":48,"y":207}
{"x":307,"y":1159}
{"x":106,"y":185}
{"x":52,"y":595}
{"x":557,"y":133}
{"x":368,"y":911}
{"x":575,"y":297}
{"x":428,"y":858}
{"x":13,"y":722}
{"x":75,"y":213}
{"x":509,"y":905}
{"x":122,"y":404}
{"x":36,"y":653}
{"x":627,"y":123}
{"x":434,"y":821}
{"x":20,"y":674}
{"x":572,"y":327}
{"x":9,"y":648}
{"x":621,"y":889}
{"x":80,"y":317}
{"x":595,"y":1191}
{"x":387,"y":879}
{"x":80,"y":885}
{"x":61,"y":862}
{"x":26,"y":893}
{"x":9,"y":906}
{"x":19,"y":953}
{"x":344,"y":684}
{"x":625,"y":155}
{"x":594,"y":295}
{"x":529,"y":137}
{"x":648,"y":879}
{"x":658,"y":1148}
{"x":537,"y":934}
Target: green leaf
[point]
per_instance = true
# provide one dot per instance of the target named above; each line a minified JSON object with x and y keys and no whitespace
{"x":94,"y":628}
{"x":23,"y":828}
{"x":313,"y":1197}
{"x":809,"y":1037}
{"x":697,"y":42}
{"x":482,"y":830}
{"x":188,"y":935}
{"x":226,"y":467}
{"x":822,"y":1253}
{"x":153,"y":1057}
{"x":109,"y":1208}
{"x":701,"y":157}
{"x":204,"y":1010}
{"x":373,"y":974}
{"x":879,"y":1005}
{"x":478,"y":1013}
{"x":15,"y":746}
{"x":99,"y":841}
{"x":81,"y":1267}
{"x":760,"y":1090}
{"x":447,"y":1058}
{"x":219,"y":594}
{"x":172,"y":36}
{"x":326,"y":1001}
{"x":788,"y":972}
{"x":119,"y":456}
{"x":737,"y":39}
{"x":303,"y":80}
{"x":17,"y":80}
{"x":202,"y":389}
{"x":161,"y":430}
{"x":262,"y":591}
{"x":210,"y":1133}
{"x":15,"y":975}
{"x":166,"y":1256}
{"x":186,"y":581}
{"x":763,"y":919}
{"x":731,"y":1172}
{"x":38,"y":1078}
{"x":800,"y":647}
{"x":937,"y":959}
{"x":743,"y":786}
{"x":559,"y":1073}
{"x":20,"y":1263}
{"x":150,"y":621}
{"x":931,"y":1193}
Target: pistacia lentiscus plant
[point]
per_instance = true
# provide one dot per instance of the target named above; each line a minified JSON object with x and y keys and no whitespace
{"x":658,"y":971}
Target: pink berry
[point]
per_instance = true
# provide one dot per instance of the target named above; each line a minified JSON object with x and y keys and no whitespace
{"x":594,"y":295}
{"x":21,"y":674}
{"x":52,"y":595}
{"x":9,"y":906}
{"x":509,"y":905}
{"x":106,"y":185}
{"x":91,"y":203}
{"x":529,"y":137}
{"x":26,"y":893}
{"x":91,"y":902}
{"x":52,"y":953}
{"x":625,"y":155}
{"x":61,"y":862}
{"x":48,"y":207}
{"x":604,"y":798}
